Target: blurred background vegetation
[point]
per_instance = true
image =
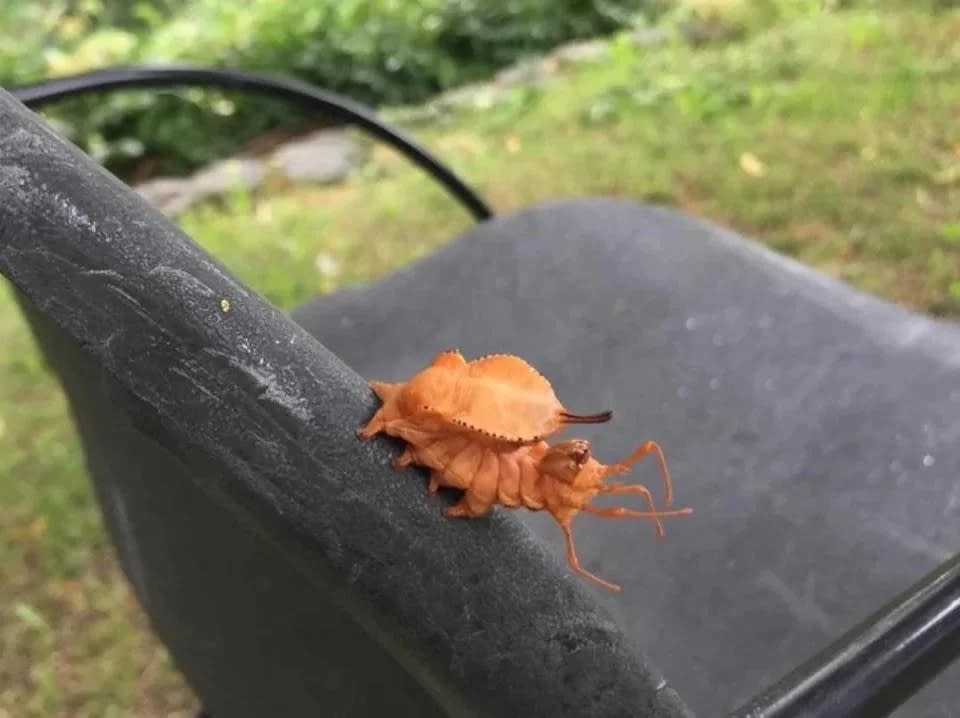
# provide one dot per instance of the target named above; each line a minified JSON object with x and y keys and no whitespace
{"x":376,"y":51}
{"x":826,"y":129}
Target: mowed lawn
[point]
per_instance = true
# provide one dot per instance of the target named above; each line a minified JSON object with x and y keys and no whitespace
{"x":834,"y":138}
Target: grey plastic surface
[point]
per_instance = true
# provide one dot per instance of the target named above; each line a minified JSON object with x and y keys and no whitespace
{"x":290,"y":570}
{"x":814,"y":430}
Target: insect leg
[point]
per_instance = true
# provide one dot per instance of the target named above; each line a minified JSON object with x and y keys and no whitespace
{"x":575,"y":562}
{"x":403,"y":460}
{"x":634,"y":489}
{"x":385,"y":390}
{"x":641,"y":451}
{"x":407,"y":458}
{"x":622,"y":513}
{"x":374,"y":426}
{"x":468,"y":507}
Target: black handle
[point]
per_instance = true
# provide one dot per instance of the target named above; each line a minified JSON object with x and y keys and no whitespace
{"x":881,"y":663}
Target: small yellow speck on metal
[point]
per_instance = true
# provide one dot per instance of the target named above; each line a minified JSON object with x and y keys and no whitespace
{"x":225,"y":305}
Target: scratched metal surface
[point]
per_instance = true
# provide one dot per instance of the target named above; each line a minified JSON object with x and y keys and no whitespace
{"x":288,"y":568}
{"x":814,"y":430}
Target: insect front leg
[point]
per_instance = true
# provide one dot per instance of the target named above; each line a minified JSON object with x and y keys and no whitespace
{"x":633,"y":489}
{"x":648,"y":447}
{"x":619,"y":512}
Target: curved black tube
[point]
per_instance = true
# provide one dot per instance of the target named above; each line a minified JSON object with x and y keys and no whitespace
{"x":295,"y":91}
{"x":881,"y":663}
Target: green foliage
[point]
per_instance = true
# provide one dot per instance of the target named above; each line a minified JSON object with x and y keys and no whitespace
{"x":380,"y":52}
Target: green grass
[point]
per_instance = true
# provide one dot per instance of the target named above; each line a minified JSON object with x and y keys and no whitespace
{"x":832,"y":138}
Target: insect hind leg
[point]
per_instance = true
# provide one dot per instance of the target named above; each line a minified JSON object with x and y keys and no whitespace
{"x":469,"y":507}
{"x":376,"y":425}
{"x":404,"y":459}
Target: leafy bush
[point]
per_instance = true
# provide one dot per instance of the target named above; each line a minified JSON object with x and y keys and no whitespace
{"x":375,"y":51}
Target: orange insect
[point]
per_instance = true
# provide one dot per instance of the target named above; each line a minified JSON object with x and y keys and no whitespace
{"x":561,"y":479}
{"x":498,"y":399}
{"x":480,"y":426}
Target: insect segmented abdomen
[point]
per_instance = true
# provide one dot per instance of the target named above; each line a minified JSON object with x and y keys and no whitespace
{"x":531,"y":489}
{"x":461,"y":463}
{"x":486,"y":480}
{"x":508,"y":487}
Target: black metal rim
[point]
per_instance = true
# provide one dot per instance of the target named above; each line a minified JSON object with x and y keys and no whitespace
{"x":301,"y":93}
